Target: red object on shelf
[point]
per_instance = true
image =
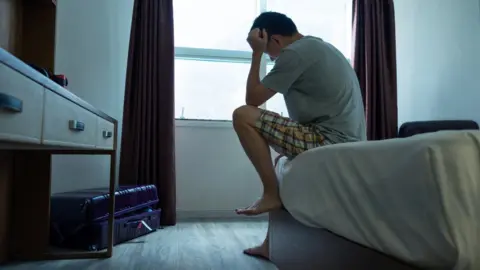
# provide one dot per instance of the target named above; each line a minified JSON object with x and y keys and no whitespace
{"x":60,"y":79}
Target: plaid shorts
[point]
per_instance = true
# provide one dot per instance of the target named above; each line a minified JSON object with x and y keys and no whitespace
{"x":286,"y":136}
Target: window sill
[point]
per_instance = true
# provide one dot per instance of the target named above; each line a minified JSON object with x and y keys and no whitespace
{"x":203,"y":123}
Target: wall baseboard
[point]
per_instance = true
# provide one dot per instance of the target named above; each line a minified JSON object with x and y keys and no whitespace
{"x":186,"y":215}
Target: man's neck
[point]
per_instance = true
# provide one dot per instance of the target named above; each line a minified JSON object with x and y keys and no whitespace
{"x":294,"y":38}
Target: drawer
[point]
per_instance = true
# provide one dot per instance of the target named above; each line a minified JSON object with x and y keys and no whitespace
{"x":21,"y":107}
{"x":105,"y":134}
{"x":67,"y":124}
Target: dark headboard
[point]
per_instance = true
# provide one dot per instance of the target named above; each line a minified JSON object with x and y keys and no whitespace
{"x":412,"y":128}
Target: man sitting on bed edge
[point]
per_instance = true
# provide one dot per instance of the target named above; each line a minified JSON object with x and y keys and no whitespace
{"x":322,"y":95}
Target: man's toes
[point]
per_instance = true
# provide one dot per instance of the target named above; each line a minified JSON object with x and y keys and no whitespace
{"x":246,"y":211}
{"x":257,"y":252}
{"x":240,"y":210}
{"x":253,"y":251}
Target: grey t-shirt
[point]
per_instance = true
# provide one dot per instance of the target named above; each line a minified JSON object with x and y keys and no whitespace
{"x":320,"y":88}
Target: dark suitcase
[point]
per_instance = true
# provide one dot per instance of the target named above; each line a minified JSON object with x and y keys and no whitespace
{"x":94,"y":236}
{"x":91,"y":205}
{"x":83,"y":214}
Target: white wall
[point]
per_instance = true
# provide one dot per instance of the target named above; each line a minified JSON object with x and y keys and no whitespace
{"x":213,"y":173}
{"x":438,"y":54}
{"x":91,"y":50}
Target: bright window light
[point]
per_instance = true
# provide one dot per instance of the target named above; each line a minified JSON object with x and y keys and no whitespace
{"x":212,"y":58}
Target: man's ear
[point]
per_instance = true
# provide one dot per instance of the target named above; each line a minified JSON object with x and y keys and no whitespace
{"x":275,"y":39}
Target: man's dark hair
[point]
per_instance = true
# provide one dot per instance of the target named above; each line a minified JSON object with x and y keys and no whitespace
{"x":275,"y":24}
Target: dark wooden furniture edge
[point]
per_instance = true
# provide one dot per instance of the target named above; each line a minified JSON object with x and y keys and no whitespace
{"x":11,"y":61}
{"x":18,"y":166}
{"x":30,"y":157}
{"x":27,"y":243}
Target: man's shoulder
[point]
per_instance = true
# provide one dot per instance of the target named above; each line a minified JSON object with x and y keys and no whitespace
{"x":306,"y":50}
{"x":306,"y":43}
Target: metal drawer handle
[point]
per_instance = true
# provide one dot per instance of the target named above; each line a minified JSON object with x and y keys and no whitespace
{"x":107,"y":134}
{"x":10,"y":103}
{"x":76,"y":125}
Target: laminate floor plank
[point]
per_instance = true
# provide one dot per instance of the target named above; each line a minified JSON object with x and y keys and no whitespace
{"x":188,"y":245}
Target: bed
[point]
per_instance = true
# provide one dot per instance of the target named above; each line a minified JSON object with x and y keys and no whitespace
{"x":405,"y":203}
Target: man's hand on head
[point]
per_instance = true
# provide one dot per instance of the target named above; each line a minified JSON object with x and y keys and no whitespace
{"x":257,"y":39}
{"x":257,"y":94}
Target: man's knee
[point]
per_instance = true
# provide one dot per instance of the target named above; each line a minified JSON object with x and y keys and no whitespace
{"x":245,"y":114}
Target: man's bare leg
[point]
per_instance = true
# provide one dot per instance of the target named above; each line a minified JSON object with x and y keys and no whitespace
{"x":262,"y":251}
{"x":258,"y":151}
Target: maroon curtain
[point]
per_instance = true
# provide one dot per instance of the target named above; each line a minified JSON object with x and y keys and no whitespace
{"x":147,"y":149}
{"x":374,"y":60}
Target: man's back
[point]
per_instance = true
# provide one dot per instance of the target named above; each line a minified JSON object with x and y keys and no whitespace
{"x":325,"y":91}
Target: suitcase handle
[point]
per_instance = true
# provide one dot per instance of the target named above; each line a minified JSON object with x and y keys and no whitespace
{"x":138,"y":224}
{"x":132,"y":224}
{"x":135,"y":222}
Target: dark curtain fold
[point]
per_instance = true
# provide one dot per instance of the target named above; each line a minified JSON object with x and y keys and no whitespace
{"x":147,"y":147}
{"x":374,"y":60}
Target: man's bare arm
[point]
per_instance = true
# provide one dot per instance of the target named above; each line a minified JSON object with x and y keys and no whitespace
{"x":257,"y":94}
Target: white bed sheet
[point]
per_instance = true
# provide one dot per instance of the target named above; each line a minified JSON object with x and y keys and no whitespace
{"x":417,"y":199}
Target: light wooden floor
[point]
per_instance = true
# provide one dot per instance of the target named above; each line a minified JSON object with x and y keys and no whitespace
{"x":188,"y":245}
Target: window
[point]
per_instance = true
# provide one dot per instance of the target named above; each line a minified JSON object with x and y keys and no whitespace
{"x":330,"y":20}
{"x":205,"y":24}
{"x":212,"y":58}
{"x":208,"y":89}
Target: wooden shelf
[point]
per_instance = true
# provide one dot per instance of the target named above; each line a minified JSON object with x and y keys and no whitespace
{"x":29,"y":31}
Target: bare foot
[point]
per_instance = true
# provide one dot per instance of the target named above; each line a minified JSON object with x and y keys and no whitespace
{"x":259,"y":252}
{"x":263,"y":205}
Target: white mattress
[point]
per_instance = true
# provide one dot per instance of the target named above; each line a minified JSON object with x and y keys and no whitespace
{"x":417,"y":199}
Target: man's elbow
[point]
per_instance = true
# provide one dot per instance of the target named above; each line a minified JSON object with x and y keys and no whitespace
{"x":252,"y":102}
{"x":250,"y":98}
